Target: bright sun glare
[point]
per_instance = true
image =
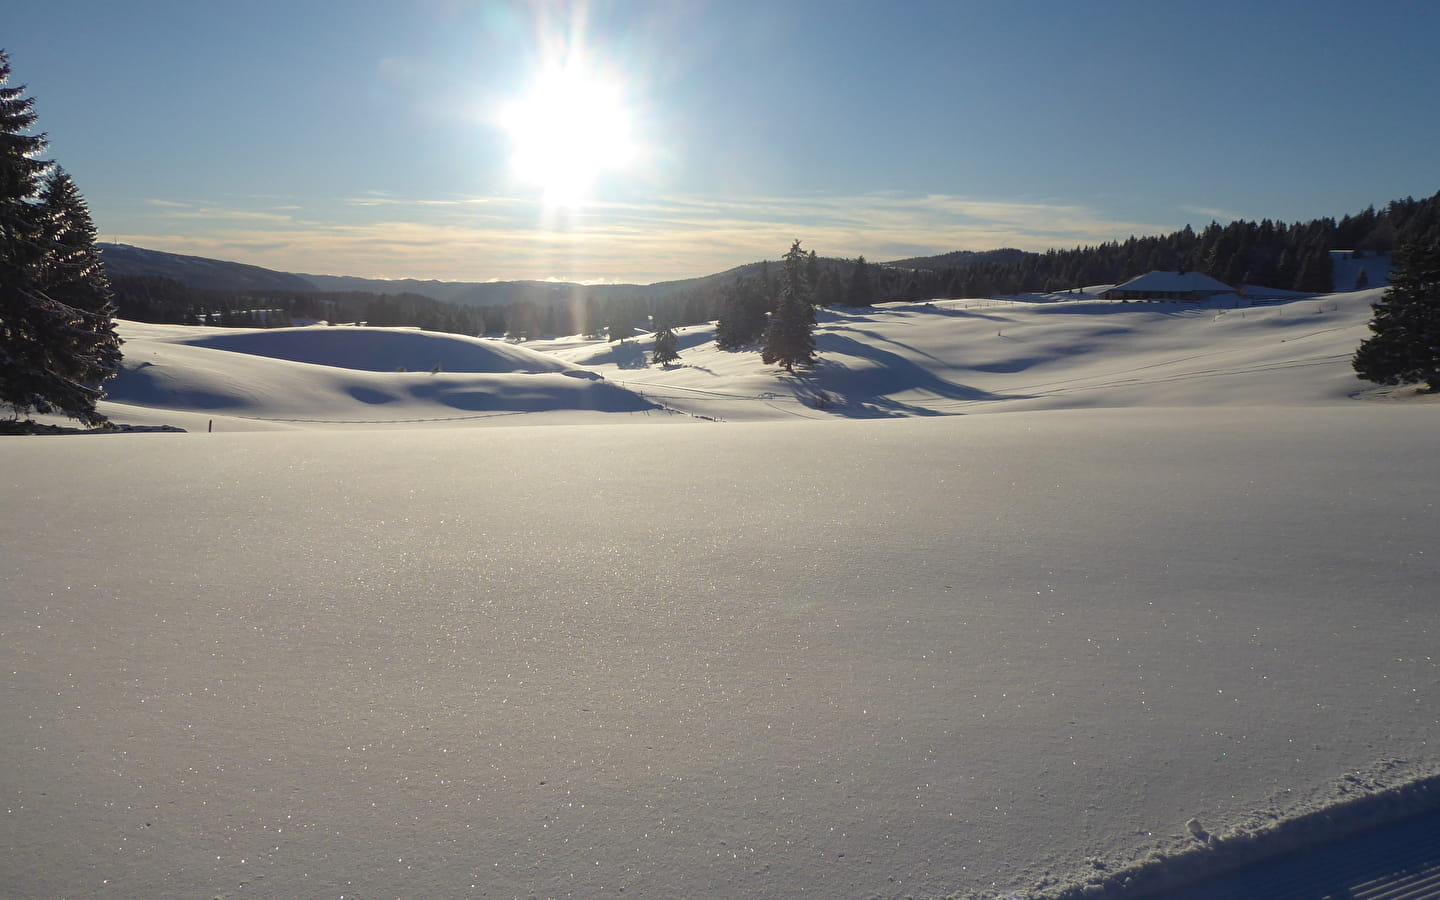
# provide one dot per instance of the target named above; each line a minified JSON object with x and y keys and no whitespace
{"x":571,"y":127}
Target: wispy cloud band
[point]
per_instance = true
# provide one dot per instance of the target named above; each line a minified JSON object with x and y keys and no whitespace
{"x":485,"y":238}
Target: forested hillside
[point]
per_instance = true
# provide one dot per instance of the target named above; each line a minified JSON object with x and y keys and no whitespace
{"x":1266,"y":253}
{"x":1272,"y":254}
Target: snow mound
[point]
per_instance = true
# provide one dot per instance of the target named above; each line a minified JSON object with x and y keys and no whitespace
{"x":945,"y":357}
{"x":1061,"y":351}
{"x":171,"y":371}
{"x":380,"y":349}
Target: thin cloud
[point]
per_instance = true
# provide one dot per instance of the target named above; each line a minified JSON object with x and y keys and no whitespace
{"x":1210,"y":212}
{"x":243,"y":215}
{"x":486,"y":238}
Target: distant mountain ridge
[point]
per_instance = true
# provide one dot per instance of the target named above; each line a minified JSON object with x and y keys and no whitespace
{"x":198,"y":271}
{"x":214,"y":274}
{"x":960,"y":258}
{"x":1274,"y":254}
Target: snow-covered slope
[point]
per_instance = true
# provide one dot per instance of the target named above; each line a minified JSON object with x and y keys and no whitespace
{"x":974,"y":356}
{"x":942,"y":358}
{"x":850,"y":659}
{"x":1181,"y":595}
{"x":378,"y":349}
{"x":1347,"y":269}
{"x":250,"y":379}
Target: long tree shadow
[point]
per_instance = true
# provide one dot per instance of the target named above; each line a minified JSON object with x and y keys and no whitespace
{"x":540,"y":395}
{"x":623,"y":354}
{"x":954,"y":313}
{"x":875,"y":336}
{"x":869,"y":391}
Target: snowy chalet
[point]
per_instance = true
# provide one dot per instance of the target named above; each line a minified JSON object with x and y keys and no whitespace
{"x":1168,"y":286}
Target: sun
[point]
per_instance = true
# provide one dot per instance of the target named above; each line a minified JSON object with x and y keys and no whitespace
{"x":570,"y":128}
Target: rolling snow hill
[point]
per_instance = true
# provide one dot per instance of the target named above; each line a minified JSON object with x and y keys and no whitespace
{"x":1173,"y":611}
{"x":953,"y":357}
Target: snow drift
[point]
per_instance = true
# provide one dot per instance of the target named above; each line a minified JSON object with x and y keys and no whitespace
{"x":253,"y":379}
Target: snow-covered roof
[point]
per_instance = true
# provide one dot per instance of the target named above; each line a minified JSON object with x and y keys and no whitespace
{"x":1174,"y":283}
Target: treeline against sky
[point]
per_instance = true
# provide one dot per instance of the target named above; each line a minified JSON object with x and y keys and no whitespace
{"x":158,"y":299}
{"x":1292,"y":257}
{"x":1266,"y":253}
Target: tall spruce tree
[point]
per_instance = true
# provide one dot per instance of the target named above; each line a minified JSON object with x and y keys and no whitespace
{"x":75,"y":276}
{"x":1405,"y":348}
{"x":666,"y":348}
{"x":57,"y":339}
{"x":790,"y":339}
{"x":20,"y":243}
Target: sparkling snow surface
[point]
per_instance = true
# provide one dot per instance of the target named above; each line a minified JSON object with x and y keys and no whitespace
{"x":935,"y":656}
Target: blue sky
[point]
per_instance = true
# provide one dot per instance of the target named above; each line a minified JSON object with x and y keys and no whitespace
{"x":377,"y":139}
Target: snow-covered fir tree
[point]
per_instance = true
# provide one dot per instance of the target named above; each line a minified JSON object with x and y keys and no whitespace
{"x":790,"y":339}
{"x":666,"y":347}
{"x":742,"y":314}
{"x":1405,"y":348}
{"x":75,"y":276}
{"x":57,"y":337}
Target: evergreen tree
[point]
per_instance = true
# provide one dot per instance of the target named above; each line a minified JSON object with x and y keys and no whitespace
{"x":57,"y":340}
{"x":742,"y":316}
{"x":1406,"y":346}
{"x":75,"y":276}
{"x":1362,"y":281}
{"x":624,"y":315}
{"x":859,"y":292}
{"x":666,"y":347}
{"x":828,"y":290}
{"x":790,"y":339}
{"x":911,"y":290}
{"x":1316,"y":274}
{"x":728,"y":333}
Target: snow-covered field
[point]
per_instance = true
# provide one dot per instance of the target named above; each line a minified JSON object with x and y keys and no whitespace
{"x":857,"y":638}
